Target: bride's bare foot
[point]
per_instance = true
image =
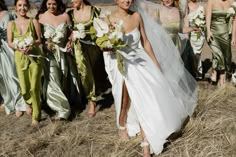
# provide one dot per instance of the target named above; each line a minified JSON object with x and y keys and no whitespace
{"x":35,"y":123}
{"x":19,"y":113}
{"x":214,"y":76}
{"x":146,"y":149}
{"x":222,"y":80}
{"x":123,"y":133}
{"x":91,"y":112}
{"x":28,"y":110}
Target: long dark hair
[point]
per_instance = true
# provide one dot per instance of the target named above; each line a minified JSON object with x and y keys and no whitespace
{"x":27,"y":2}
{"x":61,"y":7}
{"x":86,"y":2}
{"x":3,"y":5}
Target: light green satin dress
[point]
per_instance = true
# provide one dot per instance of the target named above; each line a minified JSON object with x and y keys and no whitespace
{"x":173,"y":29}
{"x":89,"y":59}
{"x":220,"y":45}
{"x":55,"y":73}
{"x":29,"y":71}
{"x":9,"y":83}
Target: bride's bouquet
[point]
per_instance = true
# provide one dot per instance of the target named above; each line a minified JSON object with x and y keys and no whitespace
{"x":198,"y":20}
{"x":23,"y":44}
{"x":110,"y":37}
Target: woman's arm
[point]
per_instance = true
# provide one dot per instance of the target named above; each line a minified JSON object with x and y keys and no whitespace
{"x":233,"y":40}
{"x":9,"y":36}
{"x":38,"y":39}
{"x":145,"y":42}
{"x":209,"y":8}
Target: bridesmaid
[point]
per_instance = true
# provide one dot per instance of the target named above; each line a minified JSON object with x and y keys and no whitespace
{"x":170,"y":17}
{"x":23,"y":36}
{"x":218,"y":38}
{"x":89,"y":58}
{"x":56,"y":69}
{"x":196,"y":40}
{"x":9,"y":85}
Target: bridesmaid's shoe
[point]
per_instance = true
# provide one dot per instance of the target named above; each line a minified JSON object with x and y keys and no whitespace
{"x":19,"y":113}
{"x":123,"y":133}
{"x":146,"y":149}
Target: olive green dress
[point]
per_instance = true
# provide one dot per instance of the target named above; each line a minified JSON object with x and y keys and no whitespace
{"x":220,"y":45}
{"x":29,"y":71}
{"x":89,"y":59}
{"x":173,"y":29}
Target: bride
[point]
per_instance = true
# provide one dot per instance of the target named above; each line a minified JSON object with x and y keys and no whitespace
{"x":155,"y":94}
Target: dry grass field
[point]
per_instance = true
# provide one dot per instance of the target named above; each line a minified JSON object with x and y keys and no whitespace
{"x":211,"y":131}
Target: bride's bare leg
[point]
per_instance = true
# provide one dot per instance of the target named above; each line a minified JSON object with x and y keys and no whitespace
{"x":145,"y":145}
{"x":123,"y":113}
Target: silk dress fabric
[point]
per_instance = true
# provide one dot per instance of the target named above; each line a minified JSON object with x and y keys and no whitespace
{"x":153,"y":103}
{"x":197,"y":41}
{"x":89,"y":59}
{"x":9,"y":83}
{"x":55,"y":73}
{"x":29,"y":70}
{"x":220,"y":45}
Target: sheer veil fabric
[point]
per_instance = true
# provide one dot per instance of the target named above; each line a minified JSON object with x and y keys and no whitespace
{"x":160,"y":101}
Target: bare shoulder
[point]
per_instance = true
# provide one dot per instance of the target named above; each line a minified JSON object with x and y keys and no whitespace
{"x":9,"y":24}
{"x":137,"y":16}
{"x":35,"y":21}
{"x":65,"y":15}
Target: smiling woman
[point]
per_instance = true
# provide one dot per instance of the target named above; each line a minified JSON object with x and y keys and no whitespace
{"x":23,"y":36}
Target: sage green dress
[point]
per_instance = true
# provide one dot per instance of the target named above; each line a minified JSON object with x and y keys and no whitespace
{"x":9,"y":83}
{"x":29,"y":70}
{"x":89,"y":59}
{"x":220,"y":45}
{"x":55,"y":73}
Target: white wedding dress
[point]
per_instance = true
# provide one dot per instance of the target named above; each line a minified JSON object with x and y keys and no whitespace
{"x":154,"y":104}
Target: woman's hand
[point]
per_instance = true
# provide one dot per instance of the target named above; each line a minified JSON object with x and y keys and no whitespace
{"x":27,"y":50}
{"x":109,"y":50}
{"x":233,"y":42}
{"x":68,"y":46}
{"x":209,"y":36}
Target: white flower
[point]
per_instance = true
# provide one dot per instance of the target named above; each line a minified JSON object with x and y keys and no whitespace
{"x":29,"y":41}
{"x":48,"y":34}
{"x":78,"y":35}
{"x":109,"y":45}
{"x":201,"y":9}
{"x":100,"y":26}
{"x":16,"y":42}
{"x":80,"y":27}
{"x":116,"y":35}
{"x":198,"y":22}
{"x":231,"y":11}
{"x":56,"y":39}
{"x":234,"y":4}
{"x":105,"y":13}
{"x":21,"y":45}
{"x":119,"y":26}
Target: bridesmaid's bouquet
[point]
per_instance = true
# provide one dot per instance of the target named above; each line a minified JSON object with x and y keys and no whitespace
{"x":198,"y":20}
{"x":79,"y":33}
{"x":53,"y":37}
{"x":232,"y":10}
{"x":23,"y":44}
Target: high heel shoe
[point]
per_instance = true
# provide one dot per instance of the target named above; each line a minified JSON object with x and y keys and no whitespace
{"x":123,"y":133}
{"x":146,"y":149}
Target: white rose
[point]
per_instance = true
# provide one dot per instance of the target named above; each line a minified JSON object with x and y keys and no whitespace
{"x":29,"y":41}
{"x":198,"y":22}
{"x":231,"y":11}
{"x":234,"y":4}
{"x":80,"y":27}
{"x":56,"y":39}
{"x":22,"y":45}
{"x":48,"y":34}
{"x":78,"y":35}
